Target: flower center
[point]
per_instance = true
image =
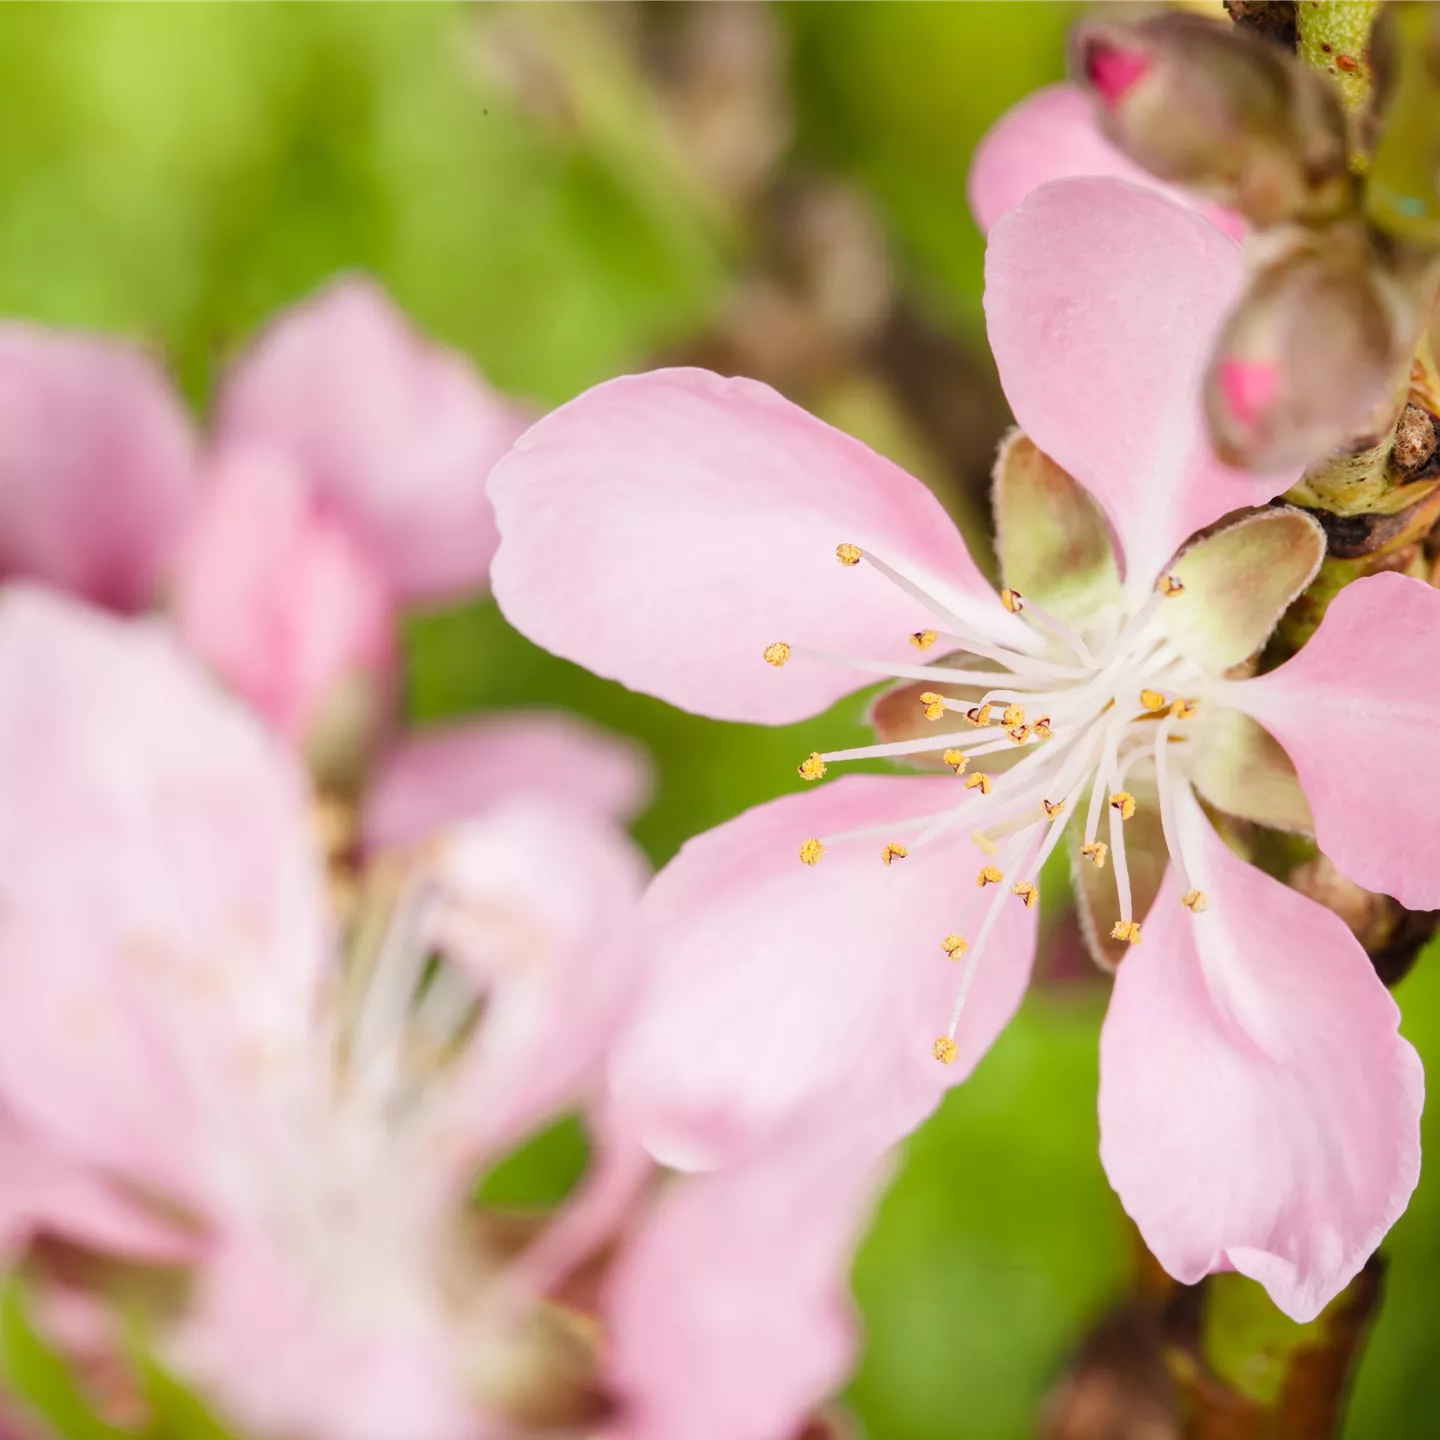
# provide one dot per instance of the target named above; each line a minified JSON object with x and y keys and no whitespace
{"x":1032,"y":733}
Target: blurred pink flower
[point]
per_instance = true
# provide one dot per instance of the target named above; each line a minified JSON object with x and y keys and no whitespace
{"x":345,"y":478}
{"x":96,"y":465}
{"x":187,"y":1076}
{"x":676,"y":531}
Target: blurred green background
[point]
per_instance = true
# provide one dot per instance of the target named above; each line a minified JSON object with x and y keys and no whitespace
{"x":567,"y":193}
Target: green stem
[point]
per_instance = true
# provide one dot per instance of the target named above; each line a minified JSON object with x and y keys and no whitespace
{"x":1335,"y":39}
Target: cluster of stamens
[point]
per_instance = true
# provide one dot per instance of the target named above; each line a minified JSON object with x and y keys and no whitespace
{"x":1099,"y":713}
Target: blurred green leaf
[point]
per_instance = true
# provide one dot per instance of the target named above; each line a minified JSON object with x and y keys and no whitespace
{"x":996,"y":1245}
{"x":541,"y":1172}
{"x":32,"y":1372}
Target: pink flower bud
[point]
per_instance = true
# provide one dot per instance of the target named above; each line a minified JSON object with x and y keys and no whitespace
{"x":1204,"y":105}
{"x":1312,"y":359}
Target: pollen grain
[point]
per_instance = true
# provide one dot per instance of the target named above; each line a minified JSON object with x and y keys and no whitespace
{"x":812,"y":767}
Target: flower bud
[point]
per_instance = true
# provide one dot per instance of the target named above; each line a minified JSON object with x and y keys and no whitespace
{"x":1313,"y":358}
{"x":1201,"y":104}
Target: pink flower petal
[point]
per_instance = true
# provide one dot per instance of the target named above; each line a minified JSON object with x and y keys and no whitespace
{"x":260,"y":1339}
{"x":728,"y":1314}
{"x":541,"y":915}
{"x":161,"y":925}
{"x":1258,"y":1110}
{"x":1353,"y":711}
{"x":1052,"y":135}
{"x":435,"y":777}
{"x":663,"y":529}
{"x":775,"y":983}
{"x":42,"y":1188}
{"x":1104,"y":301}
{"x":397,"y":433}
{"x":276,"y":596}
{"x":96,"y":465}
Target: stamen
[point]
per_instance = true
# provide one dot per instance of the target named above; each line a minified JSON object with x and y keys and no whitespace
{"x":849,"y":554}
{"x":1152,"y":700}
{"x":978,"y":781}
{"x":1183,"y":709}
{"x":893,"y":852}
{"x":812,"y":767}
{"x":923,"y":639}
{"x":1019,"y":734}
{"x":1061,"y":631}
{"x":1013,"y":715}
{"x":1195,"y":901}
{"x":1123,"y":802}
{"x":945,"y":1050}
{"x":955,"y":946}
{"x":1012,"y":600}
{"x":934,"y":704}
{"x":1042,"y":728}
{"x":1121,"y":866}
{"x":1127,"y":930}
{"x":1027,"y":891}
{"x":957,"y":760}
{"x":1053,"y":807}
{"x":811,"y":851}
{"x":777,"y":654}
{"x":1096,"y":853}
{"x":990,"y":875}
{"x":1170,"y":586}
{"x":978,"y":715}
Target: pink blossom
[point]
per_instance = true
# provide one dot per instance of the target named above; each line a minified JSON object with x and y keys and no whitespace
{"x":96,"y":465}
{"x":1053,"y":135}
{"x":188,"y":1076}
{"x":677,"y":531}
{"x":345,"y":478}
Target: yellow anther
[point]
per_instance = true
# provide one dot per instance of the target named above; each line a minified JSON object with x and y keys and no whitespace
{"x":978,"y":781}
{"x":978,"y":714}
{"x":1124,"y":802}
{"x":812,"y":767}
{"x":848,"y":554}
{"x":1019,"y":734}
{"x":777,"y":654}
{"x":955,"y":946}
{"x":1042,"y":727}
{"x":957,"y":760}
{"x":1170,"y":586}
{"x":1152,"y":699}
{"x":945,"y":1050}
{"x":989,"y":876}
{"x":1183,"y":709}
{"x":1012,"y":601}
{"x":1014,"y":715}
{"x":1194,"y":901}
{"x":1127,"y":930}
{"x":935,"y":710}
{"x":1096,"y":853}
{"x":1027,"y":892}
{"x":923,"y":639}
{"x":893,"y":852}
{"x":1053,"y":807}
{"x":811,"y":851}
